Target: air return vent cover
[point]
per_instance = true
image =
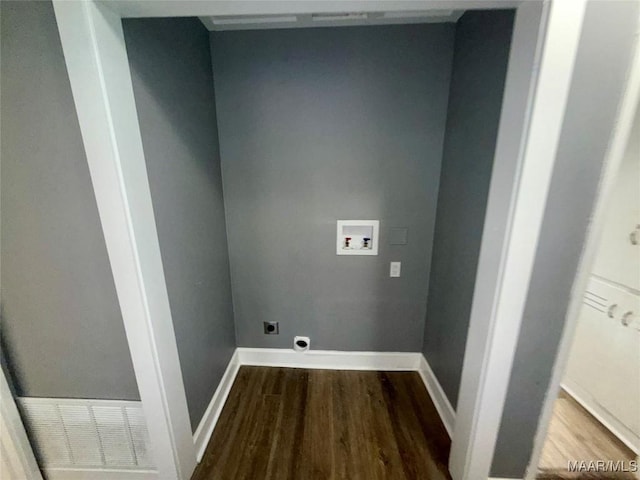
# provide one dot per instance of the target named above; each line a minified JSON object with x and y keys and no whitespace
{"x":88,"y":434}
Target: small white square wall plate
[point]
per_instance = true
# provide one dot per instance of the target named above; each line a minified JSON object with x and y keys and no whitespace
{"x":356,"y":230}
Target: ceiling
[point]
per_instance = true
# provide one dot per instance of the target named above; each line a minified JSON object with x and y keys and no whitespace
{"x":333,"y":19}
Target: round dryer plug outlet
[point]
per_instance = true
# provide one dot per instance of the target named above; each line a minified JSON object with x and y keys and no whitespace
{"x":301,"y":344}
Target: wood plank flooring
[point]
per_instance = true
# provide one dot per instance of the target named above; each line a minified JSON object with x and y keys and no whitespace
{"x":574,"y":434}
{"x":285,"y":423}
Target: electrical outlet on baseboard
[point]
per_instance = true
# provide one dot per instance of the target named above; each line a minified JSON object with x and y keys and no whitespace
{"x":301,"y":344}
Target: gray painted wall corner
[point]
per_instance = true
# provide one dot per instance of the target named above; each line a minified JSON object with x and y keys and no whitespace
{"x":172,"y":79}
{"x":481,"y":55}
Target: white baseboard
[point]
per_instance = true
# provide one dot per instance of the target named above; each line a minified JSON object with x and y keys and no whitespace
{"x":206,"y":426}
{"x":98,"y":474}
{"x":329,"y":359}
{"x":611,"y":423}
{"x":439,"y":398}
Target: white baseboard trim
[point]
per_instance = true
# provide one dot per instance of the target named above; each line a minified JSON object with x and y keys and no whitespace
{"x":329,"y":359}
{"x":98,"y":474}
{"x":439,"y":398}
{"x":206,"y":426}
{"x":619,"y":430}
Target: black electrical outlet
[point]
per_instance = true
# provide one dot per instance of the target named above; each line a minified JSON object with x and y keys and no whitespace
{"x":271,"y":328}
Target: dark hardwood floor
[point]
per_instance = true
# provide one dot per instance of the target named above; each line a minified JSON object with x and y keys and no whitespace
{"x":284,"y":423}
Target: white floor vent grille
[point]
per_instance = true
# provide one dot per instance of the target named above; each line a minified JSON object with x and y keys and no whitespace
{"x":78,"y":433}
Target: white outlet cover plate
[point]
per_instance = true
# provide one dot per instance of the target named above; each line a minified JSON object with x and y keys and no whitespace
{"x":394,"y":269}
{"x":301,"y":349}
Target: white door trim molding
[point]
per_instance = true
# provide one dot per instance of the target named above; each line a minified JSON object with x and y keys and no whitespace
{"x":197,"y":8}
{"x":615,"y":154}
{"x":505,"y":265}
{"x":17,"y":460}
{"x":96,"y":59}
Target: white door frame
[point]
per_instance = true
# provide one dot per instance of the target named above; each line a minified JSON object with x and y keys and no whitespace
{"x":515,"y":211}
{"x":17,"y":460}
{"x":96,"y":59}
{"x":535,"y":96}
{"x":615,"y":154}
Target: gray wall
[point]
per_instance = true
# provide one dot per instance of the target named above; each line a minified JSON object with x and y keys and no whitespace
{"x":324,"y":124}
{"x":172,"y":81}
{"x":481,"y":55}
{"x":62,"y":332}
{"x":596,"y":90}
